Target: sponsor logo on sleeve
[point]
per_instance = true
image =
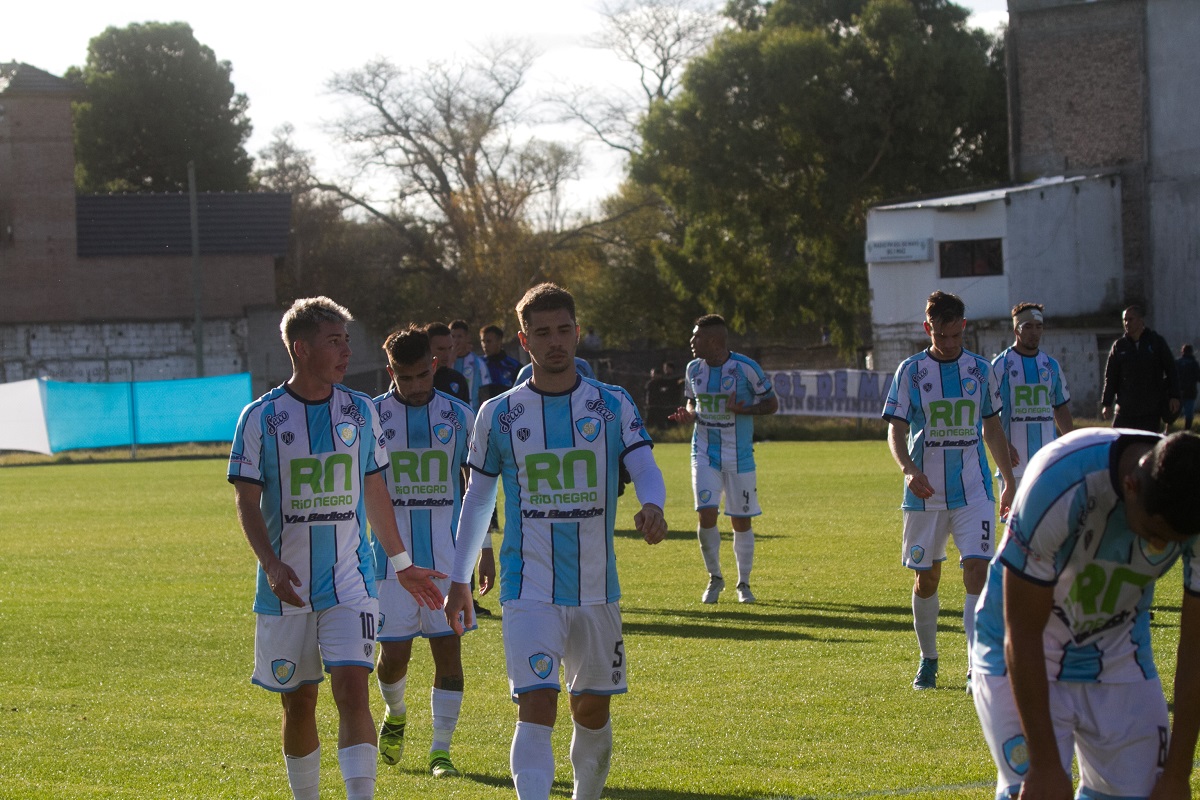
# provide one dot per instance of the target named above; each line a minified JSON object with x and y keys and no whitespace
{"x":238,"y":458}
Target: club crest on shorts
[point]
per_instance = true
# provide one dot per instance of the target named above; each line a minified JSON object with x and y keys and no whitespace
{"x":705,"y":495}
{"x":347,"y":432}
{"x":541,"y":664}
{"x":916,"y":553}
{"x":1016,"y":753}
{"x":283,"y":670}
{"x":589,"y":427}
{"x":443,"y":433}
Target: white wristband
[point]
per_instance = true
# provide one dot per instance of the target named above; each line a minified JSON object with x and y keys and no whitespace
{"x":401,"y":561}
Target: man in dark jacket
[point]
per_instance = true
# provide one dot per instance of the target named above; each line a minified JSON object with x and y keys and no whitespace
{"x":1189,"y":375}
{"x":1140,"y":377}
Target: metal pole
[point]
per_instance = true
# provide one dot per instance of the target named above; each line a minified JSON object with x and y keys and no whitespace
{"x":197,"y":283}
{"x":132,"y":420}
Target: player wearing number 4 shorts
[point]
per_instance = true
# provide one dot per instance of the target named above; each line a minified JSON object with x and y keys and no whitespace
{"x":305,"y":464}
{"x":941,"y":409}
{"x":1062,"y":648}
{"x":557,"y":442}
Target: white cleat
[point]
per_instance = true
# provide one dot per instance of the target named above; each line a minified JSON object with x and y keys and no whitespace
{"x":744,"y":593}
{"x":716,"y":585}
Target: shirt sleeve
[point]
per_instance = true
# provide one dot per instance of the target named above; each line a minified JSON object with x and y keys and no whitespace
{"x":377,"y":457}
{"x":897,"y":405}
{"x":473,"y":521}
{"x":245,"y":455}
{"x":688,"y":392}
{"x":1062,"y":395}
{"x":760,"y":384}
{"x":1041,"y":526}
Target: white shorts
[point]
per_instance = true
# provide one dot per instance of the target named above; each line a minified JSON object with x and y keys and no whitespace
{"x":289,"y":651}
{"x":926,"y":533}
{"x":401,"y":618}
{"x":1119,"y":731}
{"x":585,"y":640}
{"x":740,"y":488}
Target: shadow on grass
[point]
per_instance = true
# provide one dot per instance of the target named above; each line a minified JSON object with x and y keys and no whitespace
{"x":564,"y":789}
{"x":684,"y":535}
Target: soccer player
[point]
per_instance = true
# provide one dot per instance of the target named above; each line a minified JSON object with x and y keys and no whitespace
{"x":724,"y":390}
{"x":582,"y":367}
{"x":467,"y":362}
{"x":306,"y":467}
{"x":502,"y":368}
{"x":557,"y":443}
{"x":1062,"y":648}
{"x":1033,"y":390}
{"x":942,"y":407}
{"x":426,"y":433}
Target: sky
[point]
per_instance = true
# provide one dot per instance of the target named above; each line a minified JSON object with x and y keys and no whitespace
{"x":283,"y":55}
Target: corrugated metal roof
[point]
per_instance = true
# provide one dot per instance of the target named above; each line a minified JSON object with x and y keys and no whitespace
{"x":17,"y":78}
{"x":250,"y":223}
{"x":987,"y":196}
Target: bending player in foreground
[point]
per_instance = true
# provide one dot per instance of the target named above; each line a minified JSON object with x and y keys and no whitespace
{"x":557,"y":443}
{"x":1062,"y":649}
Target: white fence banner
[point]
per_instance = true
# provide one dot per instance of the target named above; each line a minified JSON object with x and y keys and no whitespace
{"x":23,"y":416}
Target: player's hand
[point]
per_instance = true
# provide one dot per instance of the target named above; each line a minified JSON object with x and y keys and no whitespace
{"x":1014,"y":458}
{"x":734,"y":407}
{"x":682,"y":414}
{"x":487,"y":571}
{"x":419,"y":582}
{"x":651,"y":523}
{"x":918,"y":484}
{"x":1007,"y":493}
{"x":460,"y":611}
{"x":1174,"y":406}
{"x":1055,"y":785}
{"x":1171,"y":789}
{"x":281,"y":578}
{"x":1104,"y":411}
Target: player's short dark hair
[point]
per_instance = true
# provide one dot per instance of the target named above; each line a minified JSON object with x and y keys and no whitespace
{"x":544,"y":297}
{"x":407,"y":345}
{"x":496,"y":329}
{"x":437,"y":329}
{"x":1136,"y":310}
{"x":710,"y":321}
{"x":304,"y":318}
{"x":1019,"y":307}
{"x":1186,"y":350}
{"x":459,"y":325}
{"x":1172,"y":482}
{"x":943,"y":307}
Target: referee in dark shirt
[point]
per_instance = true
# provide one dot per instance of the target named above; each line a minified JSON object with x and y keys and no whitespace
{"x":1140,"y":377}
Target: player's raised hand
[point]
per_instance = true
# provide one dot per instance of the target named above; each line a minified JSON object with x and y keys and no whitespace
{"x":419,"y":582}
{"x":460,"y":611}
{"x":487,"y":571}
{"x":682,"y":414}
{"x":651,"y":523}
{"x":281,"y":578}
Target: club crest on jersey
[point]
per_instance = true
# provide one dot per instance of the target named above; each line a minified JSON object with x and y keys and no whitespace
{"x":443,"y":433}
{"x":283,"y":670}
{"x":916,"y":553}
{"x":727,"y":382}
{"x":288,"y":437}
{"x":347,"y":432}
{"x":523,"y":434}
{"x":511,"y":416}
{"x":274,"y":421}
{"x":541,"y":664}
{"x":969,"y":385}
{"x":928,"y":387}
{"x":1016,"y":753}
{"x":389,"y":434}
{"x":1044,"y":374}
{"x":589,"y":427}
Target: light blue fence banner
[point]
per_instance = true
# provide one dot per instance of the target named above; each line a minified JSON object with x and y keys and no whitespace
{"x":86,"y":415}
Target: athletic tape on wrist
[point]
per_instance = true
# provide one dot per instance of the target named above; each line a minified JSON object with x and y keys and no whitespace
{"x":401,"y":561}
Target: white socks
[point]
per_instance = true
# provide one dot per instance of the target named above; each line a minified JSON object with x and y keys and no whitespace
{"x":393,"y":695}
{"x":532,"y":761}
{"x":969,"y":624}
{"x":304,"y":774}
{"x":925,"y":616}
{"x":591,"y":755}
{"x":358,"y":763}
{"x":743,"y":551}
{"x":710,"y":548}
{"x":446,"y":706}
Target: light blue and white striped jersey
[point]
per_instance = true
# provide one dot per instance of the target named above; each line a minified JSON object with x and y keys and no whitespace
{"x":426,"y":448}
{"x":581,"y":366}
{"x":1068,"y":530}
{"x":944,"y":404}
{"x":1031,"y":387}
{"x":311,"y":459}
{"x":473,"y":368}
{"x":725,"y":439}
{"x":558,"y":457}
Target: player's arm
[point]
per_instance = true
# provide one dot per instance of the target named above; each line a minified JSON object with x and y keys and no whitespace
{"x":914,"y":478}
{"x":280,"y":577}
{"x":651,"y":491}
{"x":685,"y":414}
{"x":1027,"y":607}
{"x":1063,"y":420}
{"x":997,"y":445}
{"x":1185,"y":728}
{"x":1112,"y":377}
{"x":473,"y":520}
{"x":417,"y":580}
{"x":768,"y":405}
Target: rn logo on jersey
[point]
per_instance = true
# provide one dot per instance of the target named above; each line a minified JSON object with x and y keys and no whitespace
{"x":541,"y":664}
{"x":443,"y":433}
{"x":283,"y":670}
{"x":288,"y":437}
{"x":916,"y":553}
{"x":510,"y":416}
{"x":347,"y":432}
{"x":274,"y":421}
{"x":969,"y":386}
{"x":589,"y":427}
{"x":1016,"y":753}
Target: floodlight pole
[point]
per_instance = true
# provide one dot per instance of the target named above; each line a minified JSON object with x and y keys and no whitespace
{"x":197,"y":283}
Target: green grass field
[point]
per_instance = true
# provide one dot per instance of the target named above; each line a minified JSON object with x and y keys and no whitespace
{"x":125,"y":592}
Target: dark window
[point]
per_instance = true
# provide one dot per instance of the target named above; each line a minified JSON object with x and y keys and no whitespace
{"x":971,"y":258}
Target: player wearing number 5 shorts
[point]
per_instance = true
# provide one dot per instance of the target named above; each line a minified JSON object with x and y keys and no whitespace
{"x":942,"y":407}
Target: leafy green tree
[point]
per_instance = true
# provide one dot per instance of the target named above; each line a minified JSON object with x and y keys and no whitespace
{"x":798,"y":119}
{"x":154,"y":99}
